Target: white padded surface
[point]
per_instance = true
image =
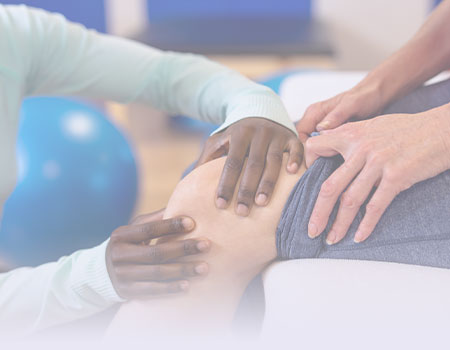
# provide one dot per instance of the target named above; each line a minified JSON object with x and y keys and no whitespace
{"x":347,"y":304}
{"x":300,"y":90}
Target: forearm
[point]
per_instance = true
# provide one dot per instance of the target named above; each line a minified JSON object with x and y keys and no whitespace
{"x":424,"y":56}
{"x":76,"y":286}
{"x":59,"y":57}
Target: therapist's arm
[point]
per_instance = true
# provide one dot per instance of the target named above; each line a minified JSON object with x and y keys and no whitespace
{"x":421,"y":58}
{"x":77,"y":286}
{"x":68,"y":59}
{"x":91,"y":280}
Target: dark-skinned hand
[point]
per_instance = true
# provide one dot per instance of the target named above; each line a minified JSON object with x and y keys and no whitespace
{"x":264,"y":142}
{"x":139,"y":270}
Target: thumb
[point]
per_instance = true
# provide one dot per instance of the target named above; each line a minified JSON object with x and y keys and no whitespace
{"x":320,"y":146}
{"x":216,"y":146}
{"x":142,"y":219}
{"x":336,"y":117}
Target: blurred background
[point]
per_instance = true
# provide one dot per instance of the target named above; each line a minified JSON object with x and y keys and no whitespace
{"x":260,"y":38}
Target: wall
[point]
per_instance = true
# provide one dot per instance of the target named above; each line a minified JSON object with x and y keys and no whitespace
{"x":364,"y":31}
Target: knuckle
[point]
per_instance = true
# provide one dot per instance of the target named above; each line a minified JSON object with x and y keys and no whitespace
{"x":176,"y":225}
{"x":115,"y":237}
{"x":233,"y":164}
{"x":297,"y":153}
{"x":349,"y":201}
{"x":328,"y":188}
{"x":268,"y":185}
{"x":351,"y":133}
{"x":246,"y":194}
{"x":137,"y":219}
{"x":275,"y":157}
{"x":392,"y":176}
{"x":189,"y":247}
{"x":255,"y":163}
{"x":375,"y":159}
{"x":350,"y":103}
{"x":373,"y":209}
{"x":310,"y":142}
{"x":156,"y":254}
{"x":145,"y":228}
{"x":314,"y":108}
{"x":225,"y":192}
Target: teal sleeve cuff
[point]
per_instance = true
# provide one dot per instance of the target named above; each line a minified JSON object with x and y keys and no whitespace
{"x":90,"y":278}
{"x":263,"y":103}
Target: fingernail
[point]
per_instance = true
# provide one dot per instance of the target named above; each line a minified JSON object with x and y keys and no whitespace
{"x":312,"y":230}
{"x":203,"y":246}
{"x":221,"y":203}
{"x":331,"y":239}
{"x":323,"y":125}
{"x":242,"y":210}
{"x":358,"y":237}
{"x":293,"y":168}
{"x":184,"y":285}
{"x":188,"y":223}
{"x":201,"y":269}
{"x":261,"y":199}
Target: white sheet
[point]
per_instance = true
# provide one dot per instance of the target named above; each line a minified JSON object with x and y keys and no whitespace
{"x":303,"y":89}
{"x":343,"y":304}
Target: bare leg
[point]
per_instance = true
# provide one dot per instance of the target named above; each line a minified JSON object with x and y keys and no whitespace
{"x":241,"y":248}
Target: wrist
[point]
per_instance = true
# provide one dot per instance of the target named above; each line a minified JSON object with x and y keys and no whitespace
{"x":376,"y":85}
{"x":440,"y":118}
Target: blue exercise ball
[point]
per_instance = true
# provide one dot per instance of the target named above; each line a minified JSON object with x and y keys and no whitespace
{"x":77,"y":182}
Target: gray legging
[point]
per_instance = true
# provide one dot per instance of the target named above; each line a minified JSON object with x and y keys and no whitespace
{"x":415,"y":229}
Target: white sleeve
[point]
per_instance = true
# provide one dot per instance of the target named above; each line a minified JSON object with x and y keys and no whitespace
{"x":65,"y":58}
{"x":74,"y":287}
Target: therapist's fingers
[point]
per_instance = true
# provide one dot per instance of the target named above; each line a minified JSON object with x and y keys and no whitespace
{"x":343,"y":111}
{"x":321,"y":146}
{"x":377,"y":205}
{"x":232,"y":170}
{"x":274,"y":160}
{"x":142,"y":219}
{"x":329,"y":193}
{"x":158,"y":253}
{"x":351,"y":201}
{"x":295,"y":151}
{"x":215,"y":147}
{"x":154,"y":229}
{"x":253,"y":170}
{"x":313,"y":115}
{"x":161,"y":273}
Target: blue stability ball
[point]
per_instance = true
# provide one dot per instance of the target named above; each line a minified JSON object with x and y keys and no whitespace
{"x":77,"y":182}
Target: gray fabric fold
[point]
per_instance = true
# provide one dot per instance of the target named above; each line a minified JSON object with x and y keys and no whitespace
{"x":415,"y":229}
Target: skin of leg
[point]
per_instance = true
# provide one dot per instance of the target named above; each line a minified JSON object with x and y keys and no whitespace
{"x":241,"y":247}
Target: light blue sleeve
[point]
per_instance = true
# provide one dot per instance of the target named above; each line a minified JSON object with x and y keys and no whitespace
{"x":41,"y":54}
{"x":65,"y":58}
